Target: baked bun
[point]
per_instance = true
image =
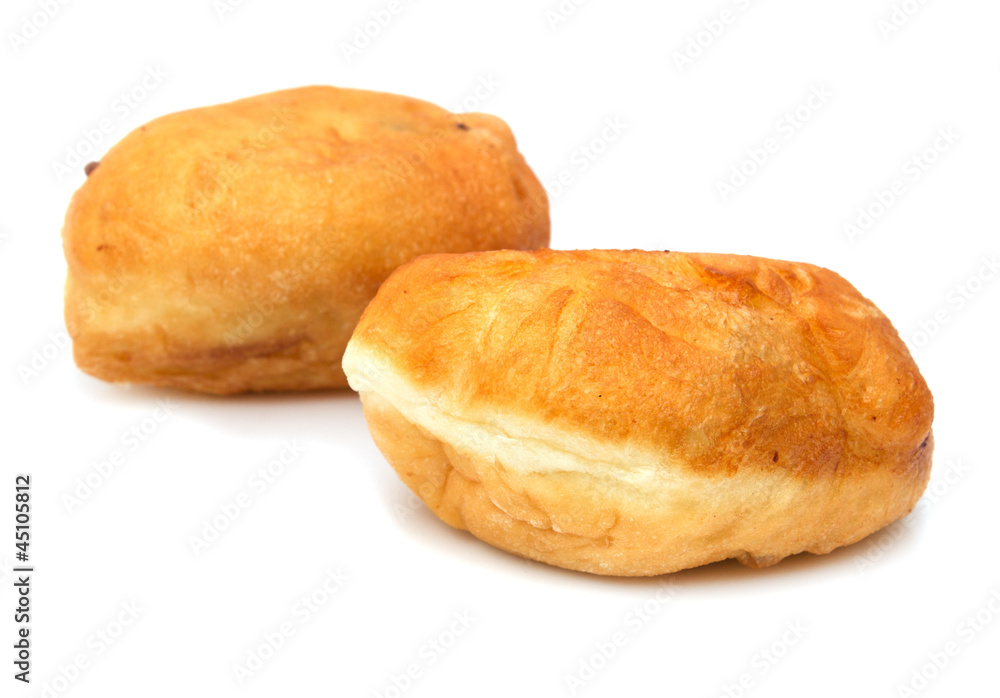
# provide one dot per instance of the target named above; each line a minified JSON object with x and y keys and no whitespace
{"x":234,"y":247}
{"x":636,"y":413}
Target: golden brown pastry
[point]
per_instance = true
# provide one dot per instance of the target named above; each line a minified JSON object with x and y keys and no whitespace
{"x":234,"y":247}
{"x":636,"y":413}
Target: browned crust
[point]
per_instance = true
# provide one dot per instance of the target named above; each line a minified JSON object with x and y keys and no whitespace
{"x":770,"y":408}
{"x":234,"y":247}
{"x":720,"y":362}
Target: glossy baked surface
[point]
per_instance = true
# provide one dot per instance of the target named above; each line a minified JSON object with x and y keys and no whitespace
{"x":234,"y":247}
{"x":630,"y":412}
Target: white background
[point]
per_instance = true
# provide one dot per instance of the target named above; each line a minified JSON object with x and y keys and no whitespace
{"x":872,"y":613}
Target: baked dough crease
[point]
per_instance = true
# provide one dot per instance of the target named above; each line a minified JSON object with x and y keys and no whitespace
{"x":233,"y":248}
{"x":636,"y":413}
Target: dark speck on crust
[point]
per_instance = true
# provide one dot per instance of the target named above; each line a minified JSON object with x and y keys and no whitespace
{"x":924,"y":444}
{"x":101,"y":248}
{"x":90,"y":167}
{"x":462,"y":126}
{"x":775,"y":458}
